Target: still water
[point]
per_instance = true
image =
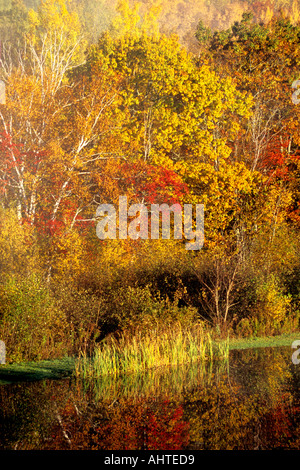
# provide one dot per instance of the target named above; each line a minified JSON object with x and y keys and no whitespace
{"x":253,"y":402}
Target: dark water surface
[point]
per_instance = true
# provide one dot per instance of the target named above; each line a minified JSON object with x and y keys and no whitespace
{"x":251,"y":403}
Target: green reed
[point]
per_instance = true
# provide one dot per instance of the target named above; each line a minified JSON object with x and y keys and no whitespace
{"x":136,"y":354}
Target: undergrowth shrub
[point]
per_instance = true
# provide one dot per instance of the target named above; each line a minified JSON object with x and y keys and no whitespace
{"x":85,"y":313}
{"x":137,"y":307}
{"x":31,"y":324}
{"x":269,"y":312}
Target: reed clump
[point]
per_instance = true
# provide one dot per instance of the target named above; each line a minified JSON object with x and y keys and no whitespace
{"x":135,"y":354}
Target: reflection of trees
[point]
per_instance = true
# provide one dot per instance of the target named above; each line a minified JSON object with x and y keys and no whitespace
{"x":144,"y":425}
{"x":263,"y":371}
{"x":220,"y":417}
{"x":279,"y":428}
{"x":121,"y":426}
{"x":253,"y":406}
{"x":27,"y":412}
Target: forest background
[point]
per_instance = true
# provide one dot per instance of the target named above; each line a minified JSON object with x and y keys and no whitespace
{"x":165,"y":102}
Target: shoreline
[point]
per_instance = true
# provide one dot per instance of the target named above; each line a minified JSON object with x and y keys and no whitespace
{"x":55,"y":369}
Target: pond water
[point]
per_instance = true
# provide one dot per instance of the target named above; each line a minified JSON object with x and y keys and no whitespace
{"x":252,"y":402}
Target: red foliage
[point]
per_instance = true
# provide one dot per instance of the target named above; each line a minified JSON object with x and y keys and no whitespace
{"x":277,"y":160}
{"x":152,"y":184}
{"x":130,"y":427}
{"x":280,"y":425}
{"x":167,"y":430}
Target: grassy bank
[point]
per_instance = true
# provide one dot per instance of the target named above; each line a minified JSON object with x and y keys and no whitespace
{"x":30,"y":371}
{"x":66,"y":367}
{"x":264,"y":342}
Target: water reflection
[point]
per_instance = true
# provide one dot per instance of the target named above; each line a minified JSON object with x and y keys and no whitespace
{"x":251,"y":403}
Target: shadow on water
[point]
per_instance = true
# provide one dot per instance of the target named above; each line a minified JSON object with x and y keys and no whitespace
{"x":252,"y":402}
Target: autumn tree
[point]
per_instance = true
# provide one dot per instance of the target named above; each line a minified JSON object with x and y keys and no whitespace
{"x":263,"y":59}
{"x":13,"y":23}
{"x":55,"y":126}
{"x":177,"y":111}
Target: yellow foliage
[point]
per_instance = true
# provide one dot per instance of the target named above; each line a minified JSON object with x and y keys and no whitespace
{"x":18,"y":250}
{"x":129,"y":22}
{"x":272,"y":305}
{"x":69,"y":252}
{"x":56,"y":28}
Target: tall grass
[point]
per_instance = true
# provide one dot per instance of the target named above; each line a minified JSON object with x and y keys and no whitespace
{"x":172,"y":347}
